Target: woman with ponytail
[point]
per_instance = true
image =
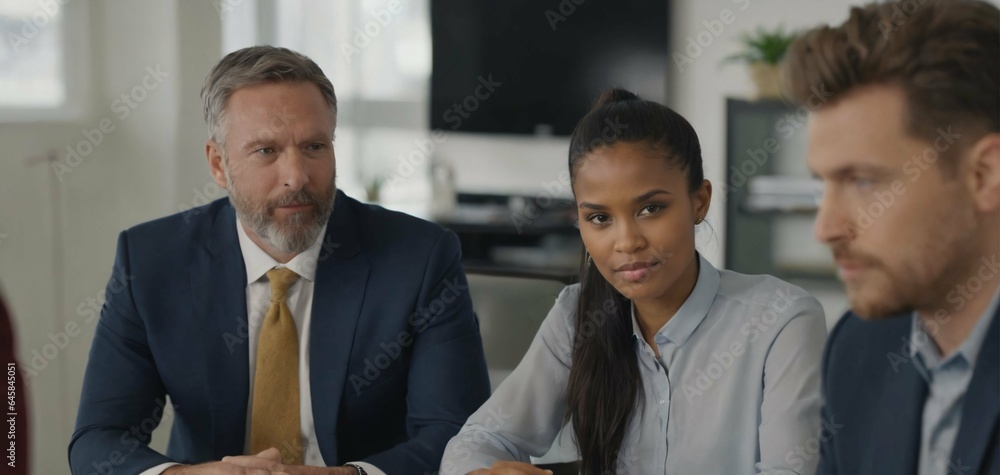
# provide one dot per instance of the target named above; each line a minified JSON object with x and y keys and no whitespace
{"x":662,"y":363}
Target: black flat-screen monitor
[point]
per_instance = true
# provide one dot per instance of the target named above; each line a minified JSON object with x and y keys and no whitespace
{"x":536,"y":66}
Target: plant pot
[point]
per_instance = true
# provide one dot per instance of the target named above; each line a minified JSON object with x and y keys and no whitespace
{"x":767,"y":79}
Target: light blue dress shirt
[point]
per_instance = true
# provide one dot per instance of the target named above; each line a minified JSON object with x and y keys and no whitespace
{"x":736,"y":389}
{"x":947,"y":380}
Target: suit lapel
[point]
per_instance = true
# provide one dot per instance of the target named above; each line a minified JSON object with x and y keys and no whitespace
{"x":981,"y":409}
{"x":341,"y":279}
{"x":218,"y":280}
{"x":895,"y":436}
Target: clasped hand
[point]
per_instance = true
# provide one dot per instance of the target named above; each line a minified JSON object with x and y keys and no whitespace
{"x":267,"y":462}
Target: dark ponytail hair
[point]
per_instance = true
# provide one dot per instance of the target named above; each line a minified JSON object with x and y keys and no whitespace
{"x":604,"y":386}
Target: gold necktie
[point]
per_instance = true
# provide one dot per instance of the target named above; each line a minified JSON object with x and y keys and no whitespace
{"x":275,"y":418}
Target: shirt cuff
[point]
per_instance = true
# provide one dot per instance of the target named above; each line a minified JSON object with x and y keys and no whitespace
{"x":371,"y":469}
{"x":157,"y":470}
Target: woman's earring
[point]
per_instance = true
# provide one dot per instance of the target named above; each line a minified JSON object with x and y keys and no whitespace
{"x":699,"y":221}
{"x":589,"y":260}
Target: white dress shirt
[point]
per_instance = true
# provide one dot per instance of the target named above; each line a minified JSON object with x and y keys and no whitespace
{"x":735,"y":390}
{"x":299,"y":299}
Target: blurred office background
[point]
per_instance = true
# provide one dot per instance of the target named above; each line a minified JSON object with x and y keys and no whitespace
{"x":101,"y":128}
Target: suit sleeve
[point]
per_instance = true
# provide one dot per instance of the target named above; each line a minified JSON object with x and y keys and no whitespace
{"x":123,"y":397}
{"x":827,"y":452}
{"x":448,"y":379}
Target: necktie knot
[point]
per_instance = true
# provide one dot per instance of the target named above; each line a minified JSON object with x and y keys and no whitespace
{"x":281,"y":279}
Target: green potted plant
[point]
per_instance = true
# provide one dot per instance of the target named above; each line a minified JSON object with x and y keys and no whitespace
{"x":763,"y":52}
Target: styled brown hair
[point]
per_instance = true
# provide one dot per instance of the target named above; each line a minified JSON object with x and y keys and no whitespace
{"x":944,"y":54}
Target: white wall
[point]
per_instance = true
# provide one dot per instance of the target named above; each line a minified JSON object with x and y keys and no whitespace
{"x":136,"y":173}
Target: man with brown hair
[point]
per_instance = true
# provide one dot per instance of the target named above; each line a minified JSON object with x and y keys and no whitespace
{"x":908,"y":147}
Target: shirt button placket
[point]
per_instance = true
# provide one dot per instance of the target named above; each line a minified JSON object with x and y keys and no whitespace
{"x":664,"y":417}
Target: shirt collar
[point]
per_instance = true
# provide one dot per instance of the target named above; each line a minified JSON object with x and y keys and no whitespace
{"x":923,"y":354}
{"x":694,"y":310}
{"x":258,"y":262}
{"x":974,"y":342}
{"x":929,"y":359}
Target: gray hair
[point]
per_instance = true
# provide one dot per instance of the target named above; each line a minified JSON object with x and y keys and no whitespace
{"x":256,"y":65}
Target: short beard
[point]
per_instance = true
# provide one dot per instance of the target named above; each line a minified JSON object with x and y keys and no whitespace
{"x":922,"y":282}
{"x":305,"y":225}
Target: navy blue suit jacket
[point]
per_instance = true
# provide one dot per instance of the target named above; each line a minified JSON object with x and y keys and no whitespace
{"x":874,"y":400}
{"x":396,"y":359}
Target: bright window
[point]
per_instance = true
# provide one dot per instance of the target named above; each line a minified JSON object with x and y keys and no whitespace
{"x":36,"y":57}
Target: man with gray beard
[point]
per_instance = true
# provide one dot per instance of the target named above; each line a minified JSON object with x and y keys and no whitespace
{"x":294,"y":329}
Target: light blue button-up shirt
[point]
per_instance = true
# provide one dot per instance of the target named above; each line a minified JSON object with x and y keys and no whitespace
{"x":947,"y":380}
{"x":736,"y":389}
